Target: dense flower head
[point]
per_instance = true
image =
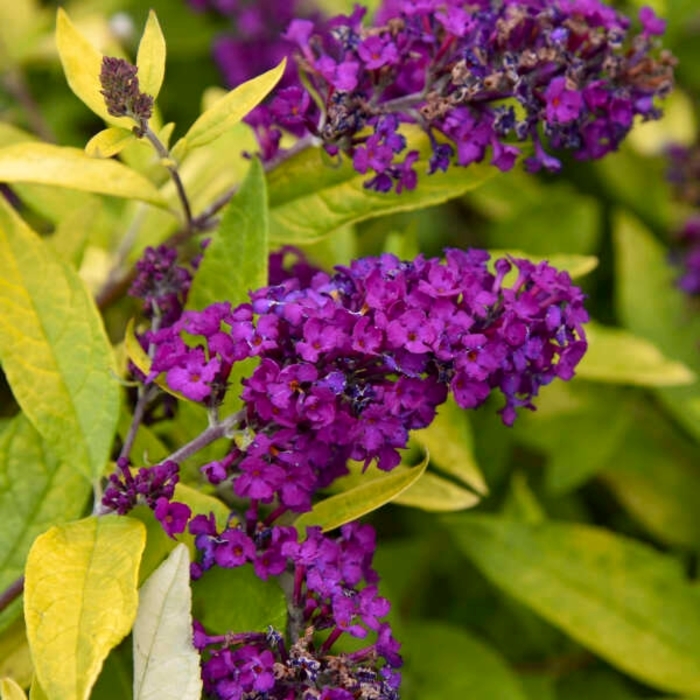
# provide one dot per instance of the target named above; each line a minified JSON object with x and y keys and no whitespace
{"x":475,"y":76}
{"x":161,"y":284}
{"x":120,"y":88}
{"x":152,"y":486}
{"x":333,"y":591}
{"x":352,"y":362}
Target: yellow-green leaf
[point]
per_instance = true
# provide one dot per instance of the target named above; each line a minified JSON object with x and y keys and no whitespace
{"x":109,"y":142}
{"x":82,"y":64}
{"x":450,"y":443}
{"x":62,"y":166}
{"x":20,"y":26}
{"x":619,"y":598}
{"x":166,"y":664}
{"x":618,"y":356}
{"x":54,"y":349}
{"x":10,"y":690}
{"x":433,"y":493}
{"x":228,"y":111}
{"x":15,"y":659}
{"x":36,"y":692}
{"x":71,"y":235}
{"x":36,"y":491}
{"x":150,"y":58}
{"x":80,"y":599}
{"x":575,"y":265}
{"x":358,"y":501}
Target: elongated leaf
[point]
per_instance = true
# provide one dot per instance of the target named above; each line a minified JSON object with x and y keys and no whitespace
{"x":450,"y":443}
{"x":650,"y":306}
{"x":80,"y":600}
{"x":36,"y":491}
{"x":309,"y":198}
{"x":82,"y":64}
{"x":150,"y":58}
{"x":228,"y":111}
{"x":54,"y":350}
{"x":166,"y":664}
{"x":10,"y":690}
{"x":619,"y":357}
{"x":62,"y":166}
{"x":71,"y":235}
{"x":444,"y":661}
{"x":235,"y":262}
{"x":433,"y":493}
{"x":360,"y":500}
{"x":621,"y":599}
{"x":109,"y":142}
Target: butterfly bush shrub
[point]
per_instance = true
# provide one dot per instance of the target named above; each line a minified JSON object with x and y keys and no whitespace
{"x":219,"y":404}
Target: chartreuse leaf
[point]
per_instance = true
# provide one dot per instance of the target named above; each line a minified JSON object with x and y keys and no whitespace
{"x":109,"y":142}
{"x":235,"y":261}
{"x":166,"y":664}
{"x":445,"y":661}
{"x":54,"y":350}
{"x":10,"y":690}
{"x":650,"y":306}
{"x":36,"y":692}
{"x":450,"y":443}
{"x":575,"y":265}
{"x":236,"y":600}
{"x":369,"y":495}
{"x":310,"y":198}
{"x":228,"y":111}
{"x":433,"y":493}
{"x":82,"y":64}
{"x":80,"y":599}
{"x":63,"y":166}
{"x":618,"y":356}
{"x":150,"y":59}
{"x":624,"y":601}
{"x":37,"y":490}
{"x":71,"y":235}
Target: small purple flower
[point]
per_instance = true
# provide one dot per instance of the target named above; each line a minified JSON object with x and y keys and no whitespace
{"x":173,"y":516}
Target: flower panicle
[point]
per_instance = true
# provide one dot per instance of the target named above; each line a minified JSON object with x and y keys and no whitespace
{"x":120,"y":89}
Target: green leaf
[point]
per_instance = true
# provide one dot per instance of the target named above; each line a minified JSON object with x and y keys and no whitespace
{"x":109,"y":142}
{"x":445,"y":661}
{"x":309,"y":198}
{"x":63,"y":166}
{"x":650,"y":305}
{"x":82,"y":64}
{"x":619,"y":357}
{"x":358,"y":501}
{"x":36,"y":491}
{"x":20,"y":26}
{"x":433,"y":493}
{"x":450,"y":443}
{"x":236,"y":600}
{"x":575,"y":265}
{"x":70,"y":237}
{"x":228,"y":111}
{"x":620,"y":598}
{"x":54,"y":349}
{"x":235,"y":261}
{"x":150,"y":58}
{"x":10,"y":690}
{"x":166,"y":664}
{"x":80,"y":599}
{"x":654,"y":475}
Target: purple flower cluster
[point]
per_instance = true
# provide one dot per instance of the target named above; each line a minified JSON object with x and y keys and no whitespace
{"x":332,"y":591}
{"x":123,"y":98}
{"x":153,"y":486}
{"x":161,"y":284}
{"x":474,"y":76}
{"x":351,"y":363}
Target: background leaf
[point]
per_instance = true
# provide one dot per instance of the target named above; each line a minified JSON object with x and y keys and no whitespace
{"x":10,"y":690}
{"x":166,"y":664}
{"x":54,"y":350}
{"x":615,"y":596}
{"x":80,"y":600}
{"x":150,"y":58}
{"x":310,"y":198}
